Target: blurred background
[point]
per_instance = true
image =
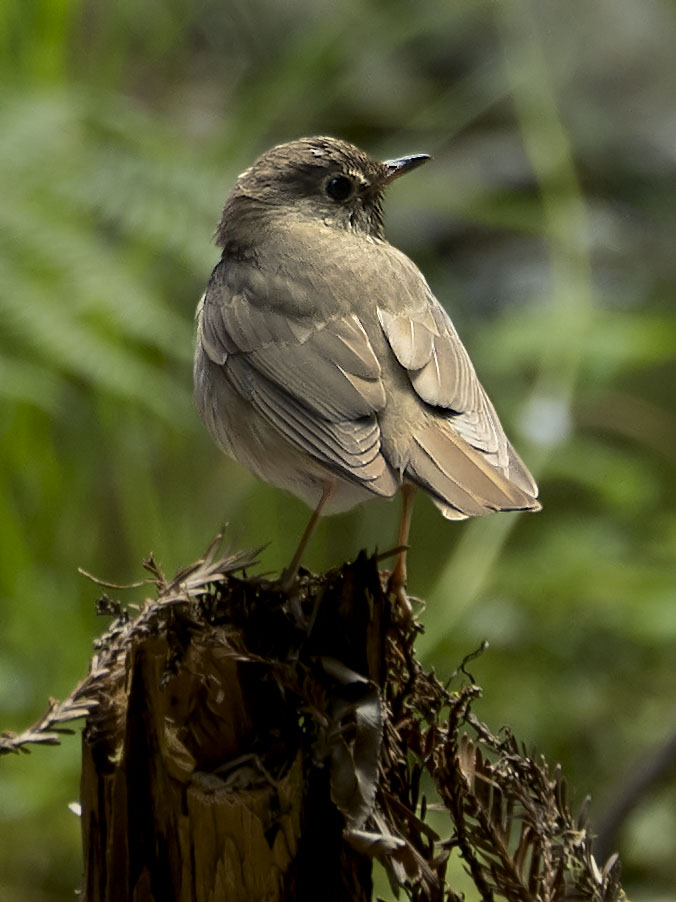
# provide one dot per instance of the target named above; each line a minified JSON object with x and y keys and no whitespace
{"x":545,"y":224}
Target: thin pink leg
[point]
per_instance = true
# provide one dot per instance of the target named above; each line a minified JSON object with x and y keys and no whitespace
{"x":397,"y":581}
{"x":289,"y":575}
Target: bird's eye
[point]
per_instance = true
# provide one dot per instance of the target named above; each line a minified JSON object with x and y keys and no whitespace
{"x":339,"y":187}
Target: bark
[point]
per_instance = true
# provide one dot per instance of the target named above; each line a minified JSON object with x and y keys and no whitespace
{"x":198,"y":782}
{"x":247,"y":744}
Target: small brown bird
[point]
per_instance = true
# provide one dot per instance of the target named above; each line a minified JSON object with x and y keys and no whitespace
{"x":325,"y":364}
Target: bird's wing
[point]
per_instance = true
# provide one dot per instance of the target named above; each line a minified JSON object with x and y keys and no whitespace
{"x":425,"y":342}
{"x":460,"y":454}
{"x":317,"y":381}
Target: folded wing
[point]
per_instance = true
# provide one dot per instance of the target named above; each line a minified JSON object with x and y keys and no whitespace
{"x":460,"y":453}
{"x":318,"y":382}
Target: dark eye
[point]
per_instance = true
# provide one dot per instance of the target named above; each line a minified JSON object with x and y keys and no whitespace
{"x":339,"y":187}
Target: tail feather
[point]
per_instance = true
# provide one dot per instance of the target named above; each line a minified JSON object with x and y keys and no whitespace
{"x":461,"y":481}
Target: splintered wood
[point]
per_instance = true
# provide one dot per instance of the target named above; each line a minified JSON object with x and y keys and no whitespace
{"x":249,"y":744}
{"x":221,"y":747}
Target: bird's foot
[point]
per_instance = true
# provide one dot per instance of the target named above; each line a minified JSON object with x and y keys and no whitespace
{"x":397,"y":589}
{"x":288,"y":579}
{"x":288,"y":584}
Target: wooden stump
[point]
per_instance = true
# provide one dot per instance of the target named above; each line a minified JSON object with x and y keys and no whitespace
{"x":202,"y":778}
{"x":247,"y":744}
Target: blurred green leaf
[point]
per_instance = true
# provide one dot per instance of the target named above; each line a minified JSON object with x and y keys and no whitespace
{"x":545,"y":224}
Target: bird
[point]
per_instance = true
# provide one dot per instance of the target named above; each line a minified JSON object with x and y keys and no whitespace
{"x":325,"y":364}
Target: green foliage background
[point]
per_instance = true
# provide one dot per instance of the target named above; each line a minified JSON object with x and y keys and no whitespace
{"x":546,"y":224}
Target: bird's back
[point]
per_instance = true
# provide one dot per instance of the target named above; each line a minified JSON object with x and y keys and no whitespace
{"x":351,"y":358}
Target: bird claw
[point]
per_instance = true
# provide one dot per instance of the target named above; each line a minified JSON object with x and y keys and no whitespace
{"x":288,"y":579}
{"x":397,"y":589}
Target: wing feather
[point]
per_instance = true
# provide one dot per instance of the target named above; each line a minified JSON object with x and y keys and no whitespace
{"x":460,"y":452}
{"x":318,"y":383}
{"x":445,"y":378}
{"x":461,"y":477}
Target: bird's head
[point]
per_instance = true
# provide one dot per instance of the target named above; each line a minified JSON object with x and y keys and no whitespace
{"x":323,"y":179}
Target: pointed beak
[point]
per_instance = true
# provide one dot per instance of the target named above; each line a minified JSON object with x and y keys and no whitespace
{"x":395,"y":168}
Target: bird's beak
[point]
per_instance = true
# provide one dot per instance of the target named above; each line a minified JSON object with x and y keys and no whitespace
{"x":395,"y":168}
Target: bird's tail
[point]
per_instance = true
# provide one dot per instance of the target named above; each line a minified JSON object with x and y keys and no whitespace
{"x":462,"y":481}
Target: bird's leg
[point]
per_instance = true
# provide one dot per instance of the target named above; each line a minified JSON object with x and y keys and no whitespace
{"x":291,"y":572}
{"x":397,"y":581}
